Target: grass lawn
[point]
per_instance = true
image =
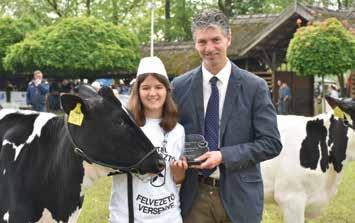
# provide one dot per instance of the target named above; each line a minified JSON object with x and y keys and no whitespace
{"x":340,"y":210}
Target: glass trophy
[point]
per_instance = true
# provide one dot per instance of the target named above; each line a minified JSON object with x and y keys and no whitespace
{"x":195,"y":146}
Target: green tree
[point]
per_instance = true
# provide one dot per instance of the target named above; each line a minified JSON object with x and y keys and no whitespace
{"x":13,"y":31}
{"x":242,"y":7}
{"x":325,"y":48}
{"x":172,"y":18}
{"x":75,"y":46}
{"x":178,"y":25}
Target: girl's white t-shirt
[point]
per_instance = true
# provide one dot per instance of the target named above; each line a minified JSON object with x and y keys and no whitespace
{"x":154,"y":199}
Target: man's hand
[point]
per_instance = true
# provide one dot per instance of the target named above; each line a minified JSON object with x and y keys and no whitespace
{"x":37,"y":82}
{"x":209,"y":160}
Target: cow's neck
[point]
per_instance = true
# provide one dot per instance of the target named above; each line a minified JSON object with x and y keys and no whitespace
{"x":350,"y":151}
{"x":93,"y":172}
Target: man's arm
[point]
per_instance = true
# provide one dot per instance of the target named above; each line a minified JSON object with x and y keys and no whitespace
{"x":43,"y":87}
{"x":266,"y":144}
{"x":287,"y":94}
{"x":28,"y":101}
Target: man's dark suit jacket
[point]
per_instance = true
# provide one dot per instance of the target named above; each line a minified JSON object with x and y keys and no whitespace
{"x":248,"y":135}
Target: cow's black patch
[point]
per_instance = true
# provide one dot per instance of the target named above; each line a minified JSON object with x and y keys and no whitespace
{"x":338,"y":140}
{"x":316,"y":136}
{"x":46,"y":174}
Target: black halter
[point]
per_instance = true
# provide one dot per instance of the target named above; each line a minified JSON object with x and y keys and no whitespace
{"x":347,"y":123}
{"x":135,"y":168}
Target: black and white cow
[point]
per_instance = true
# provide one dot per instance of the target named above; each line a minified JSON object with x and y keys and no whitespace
{"x":305,"y":176}
{"x":42,"y":177}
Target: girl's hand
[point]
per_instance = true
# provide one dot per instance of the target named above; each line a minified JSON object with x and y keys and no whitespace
{"x":178,"y":168}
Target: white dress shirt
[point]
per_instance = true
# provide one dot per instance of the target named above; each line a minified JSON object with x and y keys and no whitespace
{"x":222,"y":84}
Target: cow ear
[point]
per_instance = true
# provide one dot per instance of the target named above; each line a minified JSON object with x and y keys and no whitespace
{"x":70,"y":101}
{"x":107,"y":93}
{"x":86,"y":91}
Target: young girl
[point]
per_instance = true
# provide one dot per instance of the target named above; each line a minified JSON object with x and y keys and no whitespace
{"x":156,"y":199}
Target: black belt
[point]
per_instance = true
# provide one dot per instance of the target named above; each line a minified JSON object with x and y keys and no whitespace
{"x":208,"y":180}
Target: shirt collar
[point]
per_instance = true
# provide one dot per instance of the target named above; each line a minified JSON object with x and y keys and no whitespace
{"x":222,"y":75}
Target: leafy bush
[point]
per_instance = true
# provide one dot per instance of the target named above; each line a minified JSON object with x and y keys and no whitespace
{"x":13,"y":31}
{"x":80,"y":45}
{"x":325,"y":48}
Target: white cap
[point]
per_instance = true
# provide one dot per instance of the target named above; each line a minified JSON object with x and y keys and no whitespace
{"x":149,"y":65}
{"x":96,"y":85}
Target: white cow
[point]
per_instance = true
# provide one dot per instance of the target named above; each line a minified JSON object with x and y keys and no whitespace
{"x":298,"y":191}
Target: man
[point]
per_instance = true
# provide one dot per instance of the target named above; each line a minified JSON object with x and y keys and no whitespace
{"x":37,"y":90}
{"x":284,"y":98}
{"x":244,"y":134}
{"x":280,"y":104}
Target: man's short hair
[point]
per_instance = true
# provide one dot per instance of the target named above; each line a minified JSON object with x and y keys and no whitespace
{"x":37,"y":72}
{"x":210,"y":18}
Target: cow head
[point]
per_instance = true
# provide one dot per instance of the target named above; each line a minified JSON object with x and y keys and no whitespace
{"x":105,"y":134}
{"x":347,"y":106}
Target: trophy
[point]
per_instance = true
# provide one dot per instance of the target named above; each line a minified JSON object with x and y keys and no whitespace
{"x":195,"y":146}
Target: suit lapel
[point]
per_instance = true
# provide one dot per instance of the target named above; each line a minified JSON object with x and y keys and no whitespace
{"x":233,"y":90}
{"x":197,"y":94}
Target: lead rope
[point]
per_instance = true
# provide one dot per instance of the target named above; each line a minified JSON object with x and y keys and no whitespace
{"x":130,"y":188}
{"x":130,"y":198}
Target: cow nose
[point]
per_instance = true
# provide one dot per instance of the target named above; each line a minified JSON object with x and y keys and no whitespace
{"x":161,"y":164}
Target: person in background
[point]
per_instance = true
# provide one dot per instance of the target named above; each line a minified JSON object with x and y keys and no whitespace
{"x":333,"y":91}
{"x":284,"y":98}
{"x":124,"y":89}
{"x":232,"y":108}
{"x":66,"y":87}
{"x":53,"y":97}
{"x":96,"y":85}
{"x":37,"y":91}
{"x":280,"y":104}
{"x":287,"y":97}
{"x":155,"y":200}
{"x":8,"y":88}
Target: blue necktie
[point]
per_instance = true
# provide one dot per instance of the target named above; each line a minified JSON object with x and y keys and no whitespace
{"x":212,"y":121}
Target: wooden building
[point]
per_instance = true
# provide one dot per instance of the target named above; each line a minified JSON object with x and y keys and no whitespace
{"x":259,"y":44}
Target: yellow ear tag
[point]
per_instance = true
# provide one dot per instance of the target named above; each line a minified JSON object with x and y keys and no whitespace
{"x":76,"y":116}
{"x":339,"y":113}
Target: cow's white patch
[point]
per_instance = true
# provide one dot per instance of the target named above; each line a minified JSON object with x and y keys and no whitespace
{"x":47,"y":216}
{"x":4,"y":172}
{"x":74,"y":216}
{"x":92,"y":172}
{"x":38,"y":124}
{"x":6,"y":111}
{"x":350,"y":152}
{"x":40,"y":121}
{"x":299,"y":191}
{"x":6,"y":217}
{"x":16,"y":148}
